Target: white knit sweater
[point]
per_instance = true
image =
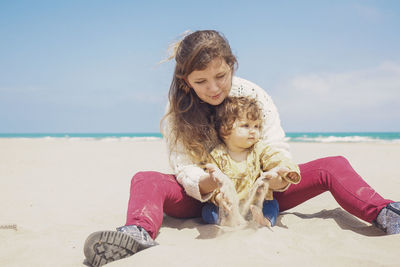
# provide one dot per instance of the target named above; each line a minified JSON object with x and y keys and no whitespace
{"x":188,"y":173}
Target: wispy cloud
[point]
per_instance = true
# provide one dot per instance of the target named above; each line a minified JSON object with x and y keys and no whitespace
{"x":368,"y":12}
{"x":150,"y":98}
{"x":372,"y":86}
{"x":360,"y":95}
{"x":21,"y":89}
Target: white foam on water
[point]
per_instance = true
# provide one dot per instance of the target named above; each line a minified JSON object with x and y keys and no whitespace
{"x":341,"y":139}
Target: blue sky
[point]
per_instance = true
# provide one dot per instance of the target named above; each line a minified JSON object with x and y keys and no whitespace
{"x":92,"y":66}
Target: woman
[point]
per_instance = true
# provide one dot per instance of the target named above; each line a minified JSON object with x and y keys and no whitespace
{"x":202,"y":79}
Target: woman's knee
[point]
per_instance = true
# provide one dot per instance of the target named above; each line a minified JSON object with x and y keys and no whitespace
{"x":334,"y":163}
{"x":149,"y":177}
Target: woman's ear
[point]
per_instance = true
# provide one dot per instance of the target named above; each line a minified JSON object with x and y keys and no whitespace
{"x":187,"y":82}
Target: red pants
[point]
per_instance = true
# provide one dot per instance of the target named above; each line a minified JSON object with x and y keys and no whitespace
{"x":154,"y":193}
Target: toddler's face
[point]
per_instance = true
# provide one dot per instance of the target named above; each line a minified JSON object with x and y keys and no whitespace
{"x":244,"y":134}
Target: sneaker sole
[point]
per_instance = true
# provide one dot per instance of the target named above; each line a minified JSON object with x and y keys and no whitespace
{"x":106,"y":246}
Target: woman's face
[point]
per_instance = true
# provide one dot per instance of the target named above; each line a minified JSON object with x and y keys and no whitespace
{"x":212,"y":85}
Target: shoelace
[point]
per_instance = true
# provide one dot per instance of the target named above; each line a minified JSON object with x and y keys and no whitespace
{"x":393,"y":209}
{"x":137,"y":232}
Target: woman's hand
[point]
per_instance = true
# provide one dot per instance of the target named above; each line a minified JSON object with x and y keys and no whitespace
{"x":207,"y":184}
{"x":219,"y":177}
{"x":212,"y":180}
{"x":225,"y":185}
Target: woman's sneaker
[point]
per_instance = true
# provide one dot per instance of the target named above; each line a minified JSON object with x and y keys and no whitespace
{"x":106,"y":246}
{"x":139,"y":234}
{"x":388,"y":219}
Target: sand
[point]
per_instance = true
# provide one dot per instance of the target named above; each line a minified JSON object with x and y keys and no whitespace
{"x":55,"y":192}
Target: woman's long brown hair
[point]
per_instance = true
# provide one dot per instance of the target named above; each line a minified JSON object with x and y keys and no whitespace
{"x":190,"y":120}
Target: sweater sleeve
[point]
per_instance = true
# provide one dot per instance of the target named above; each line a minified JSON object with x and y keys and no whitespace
{"x":187,"y":173}
{"x":272,"y":132}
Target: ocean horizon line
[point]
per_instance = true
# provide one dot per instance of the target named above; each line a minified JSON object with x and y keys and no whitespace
{"x":315,"y":137}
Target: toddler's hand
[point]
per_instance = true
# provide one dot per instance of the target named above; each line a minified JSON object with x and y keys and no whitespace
{"x":223,"y":202}
{"x":275,"y":177}
{"x":258,"y":216}
{"x":294,"y":176}
{"x":261,"y":184}
{"x":225,"y":197}
{"x":275,"y":173}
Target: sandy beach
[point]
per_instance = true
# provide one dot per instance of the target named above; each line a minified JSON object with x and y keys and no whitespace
{"x":55,"y":192}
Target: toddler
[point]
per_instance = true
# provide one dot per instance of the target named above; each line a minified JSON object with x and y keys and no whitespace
{"x":243,"y":164}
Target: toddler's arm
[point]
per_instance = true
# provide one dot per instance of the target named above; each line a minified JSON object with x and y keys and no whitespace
{"x":280,"y":170}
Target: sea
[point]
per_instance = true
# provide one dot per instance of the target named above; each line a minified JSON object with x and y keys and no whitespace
{"x":313,"y":137}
